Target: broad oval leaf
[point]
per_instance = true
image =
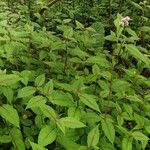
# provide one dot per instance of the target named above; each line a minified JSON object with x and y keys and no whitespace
{"x":39,"y":81}
{"x":108,"y":129}
{"x":90,"y":101}
{"x":47,"y":135}
{"x":147,"y":128}
{"x":60,"y":125}
{"x":67,"y":143}
{"x":61,"y":98}
{"x":8,"y":79}
{"x":10,"y":114}
{"x":134,"y":51}
{"x":98,"y":27}
{"x":36,"y":101}
{"x":49,"y":112}
{"x":37,"y":146}
{"x":78,"y":52}
{"x":5,"y":139}
{"x":79,"y":25}
{"x":74,"y":112}
{"x":26,"y":91}
{"x":93,"y":137}
{"x":8,"y":93}
{"x":48,"y":88}
{"x":72,"y":123}
{"x":127,"y":143}
{"x":68,"y":32}
{"x":100,"y":60}
{"x":17,"y":139}
{"x":136,"y":5}
{"x":139,"y":136}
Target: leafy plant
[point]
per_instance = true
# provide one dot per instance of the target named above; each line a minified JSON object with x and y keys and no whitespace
{"x":74,"y":75}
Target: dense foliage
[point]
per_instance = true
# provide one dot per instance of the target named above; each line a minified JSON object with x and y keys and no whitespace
{"x":74,"y":75}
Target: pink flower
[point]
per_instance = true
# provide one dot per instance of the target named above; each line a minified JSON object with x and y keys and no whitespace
{"x":125,"y":21}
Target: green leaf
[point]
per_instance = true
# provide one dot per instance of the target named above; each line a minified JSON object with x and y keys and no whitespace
{"x":61,"y":98}
{"x":48,"y":88}
{"x":108,"y":129}
{"x":57,"y":45}
{"x":136,"y":5}
{"x":120,"y":120}
{"x":49,"y":112}
{"x":82,"y":148}
{"x":79,"y":25}
{"x":144,"y":143}
{"x":36,"y":146}
{"x":39,"y":81}
{"x":128,"y":110}
{"x":26,"y":91}
{"x":25,"y":76}
{"x":147,"y":128}
{"x":139,"y":136}
{"x":127,"y":143}
{"x":74,"y":112}
{"x":65,"y":86}
{"x":120,"y":86}
{"x":67,"y":143}
{"x":135,"y":98}
{"x":98,"y":27}
{"x":93,"y":137}
{"x":5,"y":138}
{"x":61,"y":125}
{"x":42,"y":55}
{"x":10,"y":114}
{"x":131,"y":32}
{"x":95,"y":70}
{"x":36,"y":101}
{"x":3,"y":23}
{"x":145,"y":29}
{"x":91,"y":117}
{"x":72,"y":123}
{"x":133,"y":50}
{"x":117,"y":23}
{"x":106,"y":145}
{"x":47,"y":135}
{"x":139,"y":120}
{"x":90,"y":101}
{"x":17,"y":139}
{"x":7,"y":80}
{"x":111,"y":37}
{"x":77,"y":52}
{"x":123,"y":130}
{"x":65,"y":21}
{"x":8,"y":93}
{"x":100,"y":60}
{"x":68,"y":31}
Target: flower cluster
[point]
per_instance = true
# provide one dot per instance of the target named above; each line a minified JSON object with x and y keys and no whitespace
{"x":125,"y":21}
